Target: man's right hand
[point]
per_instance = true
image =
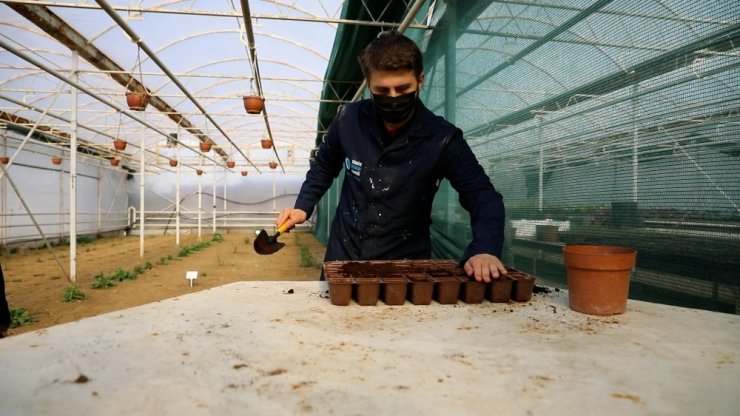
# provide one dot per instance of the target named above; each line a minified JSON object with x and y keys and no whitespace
{"x":291,"y":217}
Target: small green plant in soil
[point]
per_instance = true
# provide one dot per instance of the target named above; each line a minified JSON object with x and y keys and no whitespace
{"x":72,"y":293}
{"x":148,"y":265}
{"x":138,"y":269}
{"x":20,"y":317}
{"x":122,"y":275}
{"x":85,"y":239}
{"x":102,"y":281}
{"x":306,"y":259}
{"x":217,"y":237}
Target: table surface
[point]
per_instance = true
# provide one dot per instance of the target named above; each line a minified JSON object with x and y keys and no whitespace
{"x":262,"y":348}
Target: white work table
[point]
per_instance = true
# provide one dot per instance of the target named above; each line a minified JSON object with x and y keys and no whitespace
{"x":254,"y":348}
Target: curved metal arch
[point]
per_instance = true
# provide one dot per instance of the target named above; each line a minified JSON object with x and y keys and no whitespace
{"x":167,"y":82}
{"x":294,"y":7}
{"x":229,"y":31}
{"x":239,"y":124}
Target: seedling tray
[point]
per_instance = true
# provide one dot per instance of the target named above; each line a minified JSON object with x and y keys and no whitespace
{"x":420,"y":282}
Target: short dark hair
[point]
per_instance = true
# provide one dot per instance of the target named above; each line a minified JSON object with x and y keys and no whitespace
{"x":391,"y":51}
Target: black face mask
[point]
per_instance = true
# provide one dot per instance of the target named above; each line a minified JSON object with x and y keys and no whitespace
{"x":396,"y":109}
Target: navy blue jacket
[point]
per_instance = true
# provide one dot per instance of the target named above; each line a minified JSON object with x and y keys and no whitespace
{"x":384,"y":211}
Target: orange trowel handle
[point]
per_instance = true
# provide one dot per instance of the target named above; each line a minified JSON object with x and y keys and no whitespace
{"x":283,"y":228}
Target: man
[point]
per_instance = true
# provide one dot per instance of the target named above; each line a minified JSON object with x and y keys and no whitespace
{"x":395,"y":153}
{"x":5,"y":319}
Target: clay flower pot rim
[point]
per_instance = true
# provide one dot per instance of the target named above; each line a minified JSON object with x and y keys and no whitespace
{"x":593,"y":250}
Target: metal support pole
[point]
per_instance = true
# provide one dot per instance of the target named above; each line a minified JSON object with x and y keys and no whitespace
{"x":213,"y":204}
{"x":177,"y":195}
{"x":73,"y":176}
{"x":99,"y":192}
{"x":635,"y":141}
{"x":225,"y":187}
{"x":541,"y":176}
{"x":450,"y":91}
{"x":200,"y":204}
{"x":142,"y":174}
{"x":450,"y":62}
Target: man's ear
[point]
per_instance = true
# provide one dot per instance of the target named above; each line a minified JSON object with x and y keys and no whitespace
{"x":420,"y":80}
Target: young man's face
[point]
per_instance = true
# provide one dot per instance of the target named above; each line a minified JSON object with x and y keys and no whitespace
{"x":394,"y":83}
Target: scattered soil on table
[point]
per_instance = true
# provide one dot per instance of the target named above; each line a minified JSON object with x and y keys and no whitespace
{"x":35,"y":282}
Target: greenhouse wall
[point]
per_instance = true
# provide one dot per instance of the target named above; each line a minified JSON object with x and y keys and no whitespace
{"x":44,"y":188}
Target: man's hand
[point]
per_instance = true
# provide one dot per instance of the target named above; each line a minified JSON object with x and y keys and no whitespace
{"x":485,"y":267}
{"x":291,"y":217}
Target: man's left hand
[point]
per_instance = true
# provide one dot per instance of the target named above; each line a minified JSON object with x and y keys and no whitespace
{"x":484,"y":267}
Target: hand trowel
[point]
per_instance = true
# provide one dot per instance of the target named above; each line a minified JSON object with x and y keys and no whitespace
{"x":268,"y":244}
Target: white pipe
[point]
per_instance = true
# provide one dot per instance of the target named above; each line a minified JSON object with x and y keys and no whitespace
{"x":177,"y":193}
{"x":213,"y":203}
{"x":73,"y":176}
{"x":200,"y":204}
{"x":142,"y":174}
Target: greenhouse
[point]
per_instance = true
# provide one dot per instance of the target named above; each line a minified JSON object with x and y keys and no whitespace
{"x":145,"y":145}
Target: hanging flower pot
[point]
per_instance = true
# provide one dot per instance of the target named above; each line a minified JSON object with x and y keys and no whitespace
{"x":230,"y":164}
{"x":115,"y":162}
{"x":4,"y":160}
{"x":245,"y":173}
{"x":273,"y":165}
{"x":119,"y":144}
{"x":598,"y":278}
{"x":205,"y":146}
{"x":199,"y":172}
{"x":266,"y":143}
{"x":253,"y":104}
{"x":57,"y":160}
{"x":173,"y":162}
{"x":137,"y":100}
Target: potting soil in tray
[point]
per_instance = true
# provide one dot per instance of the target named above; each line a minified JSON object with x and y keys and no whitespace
{"x":420,"y":282}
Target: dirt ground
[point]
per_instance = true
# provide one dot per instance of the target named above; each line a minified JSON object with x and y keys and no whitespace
{"x":34,"y":280}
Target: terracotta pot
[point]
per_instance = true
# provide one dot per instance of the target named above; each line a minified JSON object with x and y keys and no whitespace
{"x":245,"y":173}
{"x":137,"y":101}
{"x":266,"y":143}
{"x":119,"y":144}
{"x":253,"y":104}
{"x":367,"y":291}
{"x":173,"y":162}
{"x":115,"y":162}
{"x":57,"y":160}
{"x":473,"y":291}
{"x":230,"y":164}
{"x":447,"y":290}
{"x":199,"y":172}
{"x":4,"y":160}
{"x":598,"y":278}
{"x":340,"y":291}
{"x":499,"y":290}
{"x":205,"y":146}
{"x":522,"y":288}
{"x":421,"y":288}
{"x":394,"y":290}
{"x":273,"y":165}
